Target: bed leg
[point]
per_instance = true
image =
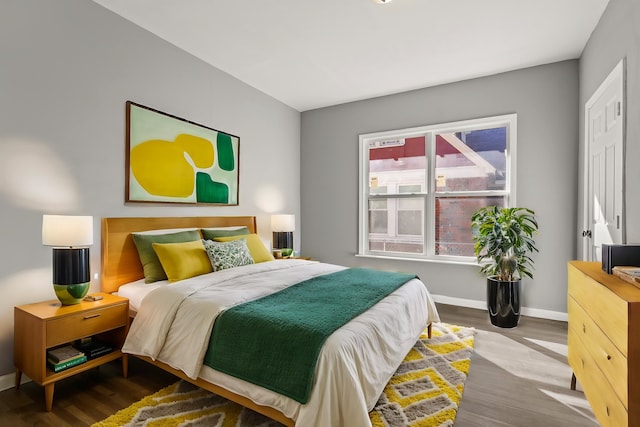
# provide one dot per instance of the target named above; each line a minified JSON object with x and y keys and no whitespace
{"x":429,"y":330}
{"x":125,"y":365}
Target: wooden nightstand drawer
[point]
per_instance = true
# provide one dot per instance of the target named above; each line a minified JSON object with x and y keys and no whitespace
{"x":90,"y":322}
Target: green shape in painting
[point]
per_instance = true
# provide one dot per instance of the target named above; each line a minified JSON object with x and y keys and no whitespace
{"x":209,"y":191}
{"x":225,"y":152}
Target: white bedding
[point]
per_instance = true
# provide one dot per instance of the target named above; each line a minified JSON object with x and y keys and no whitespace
{"x":354,"y":365}
{"x":136,"y":291}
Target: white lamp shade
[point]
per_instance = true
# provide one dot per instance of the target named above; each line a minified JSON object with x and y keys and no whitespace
{"x":67,"y":230}
{"x":283,"y":223}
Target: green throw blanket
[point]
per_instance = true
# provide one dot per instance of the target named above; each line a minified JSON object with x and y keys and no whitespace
{"x":275,"y":341}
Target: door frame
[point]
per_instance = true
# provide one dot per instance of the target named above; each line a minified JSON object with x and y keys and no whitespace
{"x":618,"y":71}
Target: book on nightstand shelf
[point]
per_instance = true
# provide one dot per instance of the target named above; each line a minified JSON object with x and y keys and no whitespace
{"x":93,"y":348}
{"x":61,"y":366}
{"x":63,"y":354}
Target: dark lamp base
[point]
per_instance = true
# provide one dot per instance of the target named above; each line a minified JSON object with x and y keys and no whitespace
{"x":283,"y":240}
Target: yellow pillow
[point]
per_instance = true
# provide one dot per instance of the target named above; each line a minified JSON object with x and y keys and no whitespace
{"x":258,"y":251}
{"x":183,"y":260}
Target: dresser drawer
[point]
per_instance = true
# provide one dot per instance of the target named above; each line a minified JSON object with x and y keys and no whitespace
{"x":89,"y":322}
{"x":606,"y":309}
{"x":605,"y":355}
{"x":608,"y":409}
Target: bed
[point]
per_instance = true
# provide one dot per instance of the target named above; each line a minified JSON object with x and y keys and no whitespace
{"x":354,"y":364}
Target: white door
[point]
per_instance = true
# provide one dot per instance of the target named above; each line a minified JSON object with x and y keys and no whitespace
{"x":604,"y":157}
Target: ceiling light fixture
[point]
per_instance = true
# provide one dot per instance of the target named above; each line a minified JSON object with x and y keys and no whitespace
{"x":382,"y":1}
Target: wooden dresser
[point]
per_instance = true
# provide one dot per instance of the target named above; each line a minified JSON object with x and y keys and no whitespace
{"x":604,"y":342}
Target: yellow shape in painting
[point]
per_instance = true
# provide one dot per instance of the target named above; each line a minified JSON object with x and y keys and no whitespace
{"x":200,"y":149}
{"x":161,"y":168}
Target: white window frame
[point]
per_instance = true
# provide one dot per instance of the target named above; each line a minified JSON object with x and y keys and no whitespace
{"x":508,"y":120}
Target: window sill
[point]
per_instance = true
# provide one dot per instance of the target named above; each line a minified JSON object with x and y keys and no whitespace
{"x":430,"y":260}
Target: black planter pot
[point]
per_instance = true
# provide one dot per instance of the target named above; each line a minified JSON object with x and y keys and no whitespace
{"x":503,"y":302}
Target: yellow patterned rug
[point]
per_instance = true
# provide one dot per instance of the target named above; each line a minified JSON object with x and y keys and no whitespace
{"x":424,"y":392}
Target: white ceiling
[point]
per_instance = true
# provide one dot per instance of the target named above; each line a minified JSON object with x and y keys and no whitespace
{"x":310,"y":54}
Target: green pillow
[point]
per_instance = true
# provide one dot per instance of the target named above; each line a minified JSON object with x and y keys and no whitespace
{"x":153,"y":270}
{"x":224,"y":255}
{"x":212,"y":233}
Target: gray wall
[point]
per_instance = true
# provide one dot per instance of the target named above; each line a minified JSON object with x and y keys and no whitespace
{"x":66,"y":69}
{"x":617,"y":36}
{"x":545,"y":99}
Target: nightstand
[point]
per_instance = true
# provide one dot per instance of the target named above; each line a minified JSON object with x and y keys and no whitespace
{"x":45,"y":325}
{"x":295,"y":257}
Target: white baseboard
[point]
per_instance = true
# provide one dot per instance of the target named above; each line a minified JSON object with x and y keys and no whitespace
{"x":9,"y":381}
{"x":545,"y":314}
{"x":482,"y":305}
{"x":470,"y":303}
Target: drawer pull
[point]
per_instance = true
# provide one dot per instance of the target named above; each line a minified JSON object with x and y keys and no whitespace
{"x":608,"y":357}
{"x":607,"y":408}
{"x":91,"y":316}
{"x":584,"y":328}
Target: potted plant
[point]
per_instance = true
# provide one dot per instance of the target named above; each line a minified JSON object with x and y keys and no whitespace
{"x":503,"y":242}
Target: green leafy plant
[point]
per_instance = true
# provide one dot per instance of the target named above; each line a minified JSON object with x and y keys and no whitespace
{"x":503,"y":241}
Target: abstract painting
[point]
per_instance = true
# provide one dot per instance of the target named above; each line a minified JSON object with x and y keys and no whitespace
{"x":173,"y":160}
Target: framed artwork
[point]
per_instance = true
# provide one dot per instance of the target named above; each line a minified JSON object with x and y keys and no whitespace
{"x":173,"y":160}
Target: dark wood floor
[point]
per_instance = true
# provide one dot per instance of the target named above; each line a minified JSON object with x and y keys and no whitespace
{"x":84,"y":398}
{"x":518,"y":377}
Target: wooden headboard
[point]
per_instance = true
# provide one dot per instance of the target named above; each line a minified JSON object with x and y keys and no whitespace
{"x":120,"y":261}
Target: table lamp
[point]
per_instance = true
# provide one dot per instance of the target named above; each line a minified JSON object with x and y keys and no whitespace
{"x":283,"y":227}
{"x":70,"y":236}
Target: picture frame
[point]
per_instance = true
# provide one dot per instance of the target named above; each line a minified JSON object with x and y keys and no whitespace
{"x":173,"y":160}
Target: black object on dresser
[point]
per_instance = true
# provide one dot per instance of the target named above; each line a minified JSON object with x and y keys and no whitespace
{"x":614,"y":255}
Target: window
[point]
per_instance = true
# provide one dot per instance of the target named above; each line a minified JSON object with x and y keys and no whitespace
{"x":420,"y":186}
